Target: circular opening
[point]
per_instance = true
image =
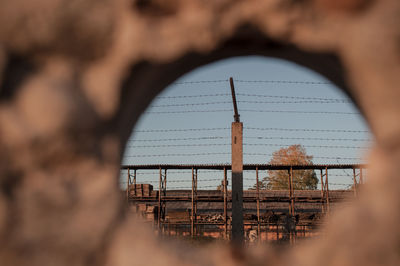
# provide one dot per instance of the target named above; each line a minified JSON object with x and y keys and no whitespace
{"x":291,"y":116}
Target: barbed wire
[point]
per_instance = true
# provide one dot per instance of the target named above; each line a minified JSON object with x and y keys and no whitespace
{"x":245,"y":144}
{"x":307,"y":130}
{"x":259,"y":137}
{"x":309,"y":138}
{"x":253,"y":81}
{"x":292,"y":97}
{"x":252,"y":128}
{"x":298,"y":112}
{"x":250,"y":110}
{"x":200,"y":81}
{"x":228,"y":153}
{"x":283,"y":81}
{"x":194,"y":96}
{"x":182,"y":129}
{"x":252,"y":102}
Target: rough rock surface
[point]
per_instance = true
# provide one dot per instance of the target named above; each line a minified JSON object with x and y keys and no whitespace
{"x":76,"y":74}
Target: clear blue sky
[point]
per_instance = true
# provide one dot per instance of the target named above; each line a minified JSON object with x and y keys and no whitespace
{"x":256,"y":100}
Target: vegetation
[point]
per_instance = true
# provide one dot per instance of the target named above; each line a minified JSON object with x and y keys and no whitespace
{"x":302,"y":179}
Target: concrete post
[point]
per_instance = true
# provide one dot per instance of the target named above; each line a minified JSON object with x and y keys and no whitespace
{"x":237,"y":183}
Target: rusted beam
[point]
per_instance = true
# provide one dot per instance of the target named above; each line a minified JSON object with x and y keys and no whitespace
{"x":354,"y":182}
{"x":245,"y":166}
{"x":192,"y":210}
{"x":258,"y":207}
{"x":134,"y":181}
{"x":225,"y":203}
{"x":159,"y":200}
{"x":127,"y":185}
{"x":327,"y":191}
{"x":322,"y":193}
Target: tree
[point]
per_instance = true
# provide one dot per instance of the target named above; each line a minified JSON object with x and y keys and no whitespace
{"x":261,"y":185}
{"x":302,"y":179}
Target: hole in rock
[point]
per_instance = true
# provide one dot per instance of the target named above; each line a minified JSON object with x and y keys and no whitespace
{"x":303,"y":139}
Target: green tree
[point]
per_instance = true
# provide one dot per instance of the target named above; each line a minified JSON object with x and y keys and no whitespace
{"x":302,"y":179}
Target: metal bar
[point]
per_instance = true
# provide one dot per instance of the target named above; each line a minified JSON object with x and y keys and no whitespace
{"x":159,"y":199}
{"x":245,"y":166}
{"x":195,"y":200}
{"x":258,"y":207}
{"x":225,"y":203}
{"x":292,"y":191}
{"x":127,"y":185}
{"x":134,"y":182}
{"x":327,"y":191}
{"x":192,"y":211}
{"x":322,"y":193}
{"x":290,"y":194}
{"x":361,"y":176}
{"x":163,"y":202}
{"x":354,"y":182}
{"x":236,"y":116}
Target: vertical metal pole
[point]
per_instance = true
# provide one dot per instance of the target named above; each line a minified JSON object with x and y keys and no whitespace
{"x":291,"y":191}
{"x":163,"y":202}
{"x":322,"y":193}
{"x":127,"y":185}
{"x":237,"y":183}
{"x":290,"y":194}
{"x":134,"y":182}
{"x":258,"y":207}
{"x":327,"y":190}
{"x":192,"y":213}
{"x":292,"y":205}
{"x":195,"y":201}
{"x":225,"y":203}
{"x":354,"y":182}
{"x":159,"y":200}
{"x":361,"y":176}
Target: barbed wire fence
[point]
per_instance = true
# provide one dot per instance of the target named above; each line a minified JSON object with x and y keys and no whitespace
{"x":205,"y":144}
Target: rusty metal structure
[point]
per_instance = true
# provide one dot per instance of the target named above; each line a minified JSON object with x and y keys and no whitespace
{"x":290,"y":220}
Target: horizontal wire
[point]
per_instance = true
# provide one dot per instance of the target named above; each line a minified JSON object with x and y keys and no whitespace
{"x":194,"y":96}
{"x":252,"y":102}
{"x":249,"y":110}
{"x":306,"y":99}
{"x":200,"y":81}
{"x":252,"y":81}
{"x":228,"y":153}
{"x":245,"y":144}
{"x":298,"y":138}
{"x":292,"y":97}
{"x":189,"y":111}
{"x":180,"y":145}
{"x":307,"y":146}
{"x":183,"y":129}
{"x":319,"y":157}
{"x":252,"y":128}
{"x":307,"y":130}
{"x":297,"y":112}
{"x":176,"y":139}
{"x":178,"y":154}
{"x":222,"y":137}
{"x":283,"y":81}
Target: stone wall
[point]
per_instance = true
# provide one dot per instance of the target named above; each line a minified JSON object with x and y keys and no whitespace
{"x":76,"y":74}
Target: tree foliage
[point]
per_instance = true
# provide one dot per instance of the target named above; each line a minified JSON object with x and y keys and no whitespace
{"x":302,"y":179}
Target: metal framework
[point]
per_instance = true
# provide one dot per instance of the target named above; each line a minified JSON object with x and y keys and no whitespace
{"x":162,"y":196}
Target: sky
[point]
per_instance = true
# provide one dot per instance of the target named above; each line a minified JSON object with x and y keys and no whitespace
{"x":189,"y":122}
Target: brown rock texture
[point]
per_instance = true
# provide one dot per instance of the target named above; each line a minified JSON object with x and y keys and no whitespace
{"x":75,"y":76}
